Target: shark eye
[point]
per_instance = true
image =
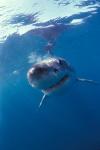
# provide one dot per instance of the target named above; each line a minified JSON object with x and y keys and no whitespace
{"x":55,"y":70}
{"x":61,"y":62}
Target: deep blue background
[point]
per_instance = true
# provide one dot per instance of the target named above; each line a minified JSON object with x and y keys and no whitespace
{"x":70,"y":118}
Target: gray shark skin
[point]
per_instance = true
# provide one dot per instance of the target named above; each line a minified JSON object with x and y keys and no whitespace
{"x":51,"y":73}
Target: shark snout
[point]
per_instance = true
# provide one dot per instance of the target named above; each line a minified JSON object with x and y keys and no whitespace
{"x":37,"y":72}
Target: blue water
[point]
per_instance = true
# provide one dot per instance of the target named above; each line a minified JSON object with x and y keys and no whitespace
{"x":70,"y":118}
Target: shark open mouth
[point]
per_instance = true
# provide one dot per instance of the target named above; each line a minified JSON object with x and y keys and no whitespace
{"x":56,"y":85}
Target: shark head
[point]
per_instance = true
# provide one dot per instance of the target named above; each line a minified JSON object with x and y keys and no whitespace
{"x":49,"y":73}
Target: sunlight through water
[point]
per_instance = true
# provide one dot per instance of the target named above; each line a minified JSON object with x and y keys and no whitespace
{"x":16,"y":18}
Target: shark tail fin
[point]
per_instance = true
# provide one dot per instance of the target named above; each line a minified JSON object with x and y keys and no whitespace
{"x":87,"y":81}
{"x":43,"y":98}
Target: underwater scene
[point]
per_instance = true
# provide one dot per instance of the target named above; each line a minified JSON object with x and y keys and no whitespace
{"x":50,"y":75}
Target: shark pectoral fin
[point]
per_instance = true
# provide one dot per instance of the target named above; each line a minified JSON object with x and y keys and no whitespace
{"x":87,"y":80}
{"x":43,"y":98}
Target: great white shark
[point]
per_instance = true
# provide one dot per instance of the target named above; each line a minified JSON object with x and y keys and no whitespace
{"x":51,"y":73}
